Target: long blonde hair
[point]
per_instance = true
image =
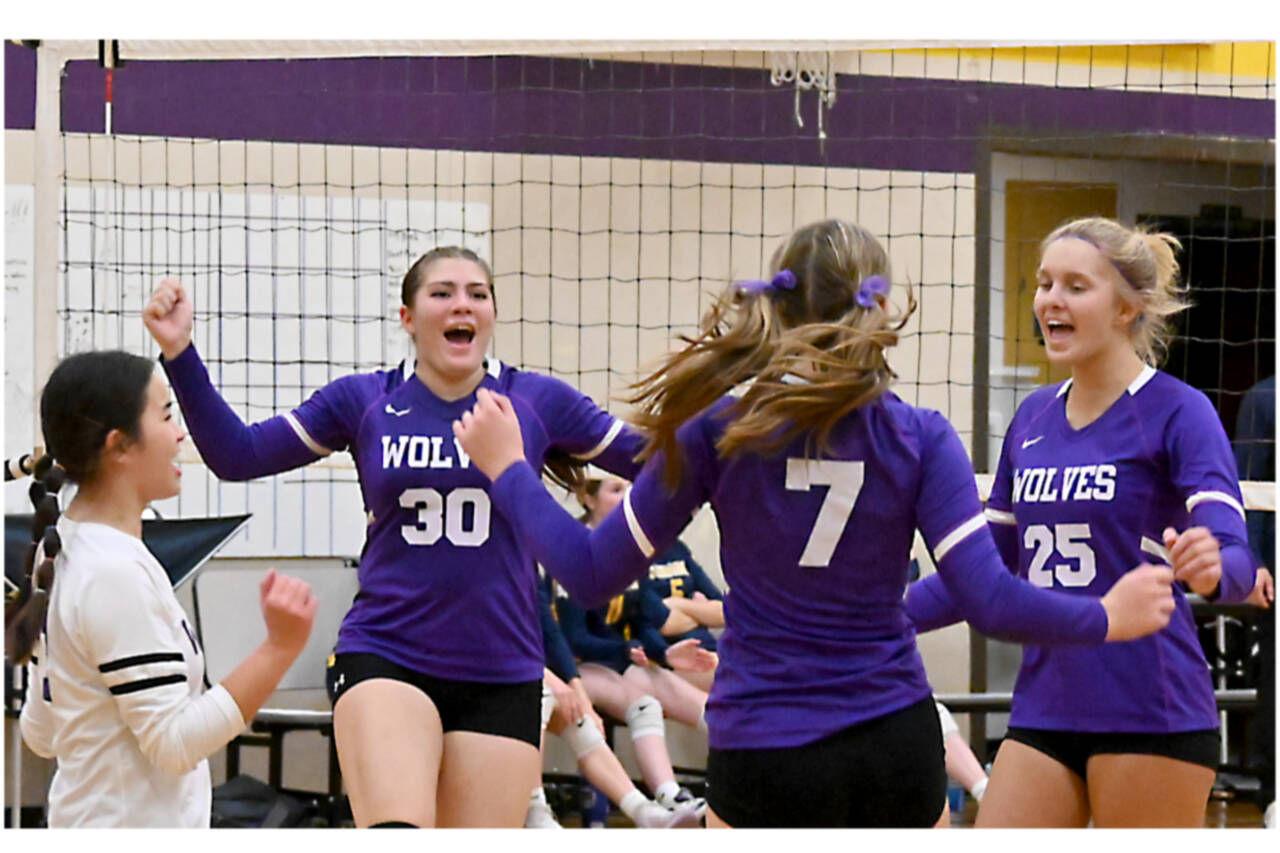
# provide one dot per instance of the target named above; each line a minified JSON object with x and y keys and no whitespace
{"x":814,"y":353}
{"x":1145,"y":260}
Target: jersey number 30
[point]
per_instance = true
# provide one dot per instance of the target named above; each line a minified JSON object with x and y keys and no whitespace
{"x":845,"y":480}
{"x":438,"y":515}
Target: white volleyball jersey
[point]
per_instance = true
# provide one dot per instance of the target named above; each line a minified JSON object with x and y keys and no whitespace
{"x":117,"y":691}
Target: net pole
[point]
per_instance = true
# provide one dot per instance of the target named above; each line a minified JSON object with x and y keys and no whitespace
{"x":45,"y":214}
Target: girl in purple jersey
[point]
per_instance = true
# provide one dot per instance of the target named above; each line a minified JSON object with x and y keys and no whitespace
{"x":1117,"y":463}
{"x":436,"y":676}
{"x":820,"y":714}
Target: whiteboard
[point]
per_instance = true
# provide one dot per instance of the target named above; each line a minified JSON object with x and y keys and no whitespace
{"x":19,"y":396}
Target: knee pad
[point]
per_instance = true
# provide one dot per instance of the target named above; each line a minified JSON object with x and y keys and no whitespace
{"x":644,"y":717}
{"x":949,"y":725}
{"x":548,"y":704}
{"x":582,"y":737}
{"x":393,"y":824}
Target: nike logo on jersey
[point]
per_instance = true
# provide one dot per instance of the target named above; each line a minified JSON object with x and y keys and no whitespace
{"x":1031,"y":441}
{"x":421,"y":451}
{"x":391,"y":411}
{"x":1077,"y":483}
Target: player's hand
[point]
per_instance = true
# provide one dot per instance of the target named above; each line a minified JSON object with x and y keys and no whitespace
{"x":289,"y":609}
{"x":490,"y":434}
{"x":168,"y":317}
{"x":638,"y":657}
{"x":689,"y":656}
{"x":698,"y":595}
{"x":1264,"y":590}
{"x":567,"y":700}
{"x":1195,"y":557}
{"x":1140,"y":603}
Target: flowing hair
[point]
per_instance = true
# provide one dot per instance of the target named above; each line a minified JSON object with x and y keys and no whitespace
{"x":812,"y":352}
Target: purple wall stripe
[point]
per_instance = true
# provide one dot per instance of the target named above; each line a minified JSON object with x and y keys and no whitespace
{"x":568,"y":106}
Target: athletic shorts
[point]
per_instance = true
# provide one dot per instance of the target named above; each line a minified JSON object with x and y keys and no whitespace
{"x":1074,"y":749}
{"x":886,"y":772}
{"x":506,"y":710}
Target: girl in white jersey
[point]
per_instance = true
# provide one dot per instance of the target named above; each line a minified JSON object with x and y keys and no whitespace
{"x":117,"y":694}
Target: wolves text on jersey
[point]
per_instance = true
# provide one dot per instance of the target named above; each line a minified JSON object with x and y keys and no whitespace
{"x":421,"y":451}
{"x":1072,"y":483}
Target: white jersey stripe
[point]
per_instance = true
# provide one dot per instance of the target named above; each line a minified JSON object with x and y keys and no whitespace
{"x":604,"y":442}
{"x":955,"y":537}
{"x":1155,"y":549}
{"x":1222,"y":497}
{"x":494,"y":367}
{"x":637,"y":532}
{"x":999,"y":516}
{"x":314,"y":446}
{"x":1143,"y":378}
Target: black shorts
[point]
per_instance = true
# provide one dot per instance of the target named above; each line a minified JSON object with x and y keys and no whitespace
{"x":1074,"y":749}
{"x":886,"y":772}
{"x":507,"y":710}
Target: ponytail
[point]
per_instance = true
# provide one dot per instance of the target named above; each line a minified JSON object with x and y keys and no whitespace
{"x":811,"y":341}
{"x":24,"y":612}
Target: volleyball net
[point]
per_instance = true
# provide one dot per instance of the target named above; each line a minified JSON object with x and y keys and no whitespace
{"x":615,"y":191}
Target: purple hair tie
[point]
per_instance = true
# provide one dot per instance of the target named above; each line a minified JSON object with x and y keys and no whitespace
{"x":871,"y":287}
{"x":784,"y":280}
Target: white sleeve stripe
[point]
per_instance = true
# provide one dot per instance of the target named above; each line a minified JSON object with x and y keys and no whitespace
{"x":955,"y":537}
{"x":999,"y":516}
{"x":1222,"y":497}
{"x":1155,"y":549}
{"x":604,"y":442}
{"x":314,"y":446}
{"x":633,"y":523}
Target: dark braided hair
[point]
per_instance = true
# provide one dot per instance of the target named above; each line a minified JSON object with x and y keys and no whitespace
{"x":25,"y":610}
{"x":87,"y":396}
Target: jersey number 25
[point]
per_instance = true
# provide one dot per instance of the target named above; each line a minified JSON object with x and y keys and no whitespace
{"x":1071,"y":541}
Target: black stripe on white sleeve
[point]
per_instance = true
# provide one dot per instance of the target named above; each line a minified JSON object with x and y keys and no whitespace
{"x":146,"y":684}
{"x":139,"y":672}
{"x":139,"y":660}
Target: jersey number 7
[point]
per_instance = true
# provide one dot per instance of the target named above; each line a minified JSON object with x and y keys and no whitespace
{"x":845,"y":480}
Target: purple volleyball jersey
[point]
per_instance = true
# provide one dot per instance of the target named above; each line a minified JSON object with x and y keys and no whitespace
{"x":445,"y":588}
{"x":815,"y":552}
{"x":1080,"y":508}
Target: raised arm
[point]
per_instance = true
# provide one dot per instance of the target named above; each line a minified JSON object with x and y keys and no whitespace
{"x":231,"y":449}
